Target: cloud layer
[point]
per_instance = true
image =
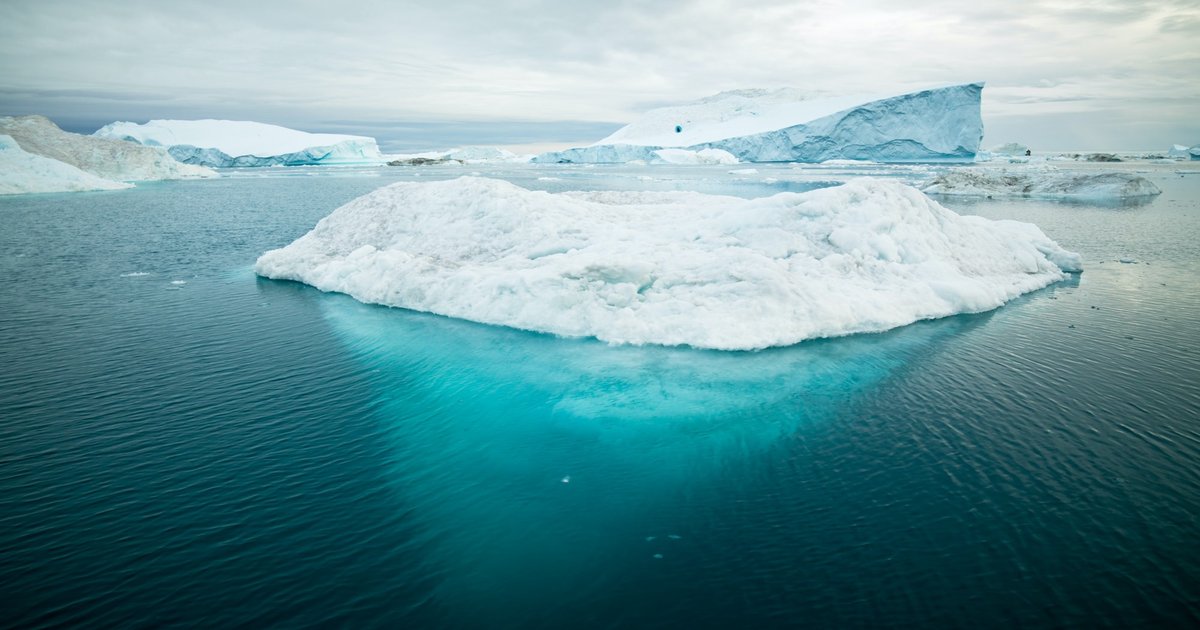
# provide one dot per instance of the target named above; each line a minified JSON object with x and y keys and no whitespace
{"x":1071,"y":74}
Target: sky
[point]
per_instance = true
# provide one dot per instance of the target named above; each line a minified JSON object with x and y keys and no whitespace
{"x":540,"y":74}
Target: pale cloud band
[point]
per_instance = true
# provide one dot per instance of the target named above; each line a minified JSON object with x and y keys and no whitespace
{"x":1071,"y":74}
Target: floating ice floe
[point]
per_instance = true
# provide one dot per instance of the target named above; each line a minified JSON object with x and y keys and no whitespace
{"x":1045,"y":182}
{"x":25,"y":172}
{"x":224,"y":143}
{"x":788,"y":125}
{"x":670,"y":268}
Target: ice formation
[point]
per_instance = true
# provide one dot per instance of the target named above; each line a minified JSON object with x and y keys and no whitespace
{"x":224,"y":143}
{"x":670,"y":268}
{"x":1045,"y":182}
{"x":1178,"y":151}
{"x":102,"y":157}
{"x":25,"y":172}
{"x":942,"y":124}
{"x":462,"y":155}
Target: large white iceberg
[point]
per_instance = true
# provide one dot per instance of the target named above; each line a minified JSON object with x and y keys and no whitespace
{"x":671,"y":268}
{"x":225,"y":143}
{"x":942,"y":124}
{"x":1044,"y":182}
{"x":25,"y":172}
{"x":102,"y":157}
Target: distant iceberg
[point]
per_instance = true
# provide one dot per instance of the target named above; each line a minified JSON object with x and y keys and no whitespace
{"x":671,"y":268}
{"x":24,"y":172}
{"x":461,"y":155}
{"x":1045,"y":182}
{"x":102,"y":157}
{"x":942,"y":124}
{"x":226,"y":143}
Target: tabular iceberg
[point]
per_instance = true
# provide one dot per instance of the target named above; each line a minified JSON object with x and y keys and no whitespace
{"x":1045,"y":182}
{"x":24,"y":172}
{"x":670,"y":268}
{"x":942,"y":124}
{"x":225,"y":143}
{"x":102,"y":157}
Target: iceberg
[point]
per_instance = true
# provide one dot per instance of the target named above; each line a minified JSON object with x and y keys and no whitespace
{"x":462,"y":155}
{"x":227,"y":143}
{"x":24,"y":172}
{"x":102,"y":157}
{"x":941,"y":124}
{"x":1046,"y":182}
{"x":670,"y":268}
{"x":1178,"y":151}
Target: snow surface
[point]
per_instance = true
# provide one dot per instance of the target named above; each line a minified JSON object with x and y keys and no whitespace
{"x":223,"y":143}
{"x":103,"y":157}
{"x":670,"y":268}
{"x":24,"y":172}
{"x":783,"y":126}
{"x":1046,"y":182}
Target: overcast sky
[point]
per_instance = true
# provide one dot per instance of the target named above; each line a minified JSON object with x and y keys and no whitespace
{"x":1117,"y":75}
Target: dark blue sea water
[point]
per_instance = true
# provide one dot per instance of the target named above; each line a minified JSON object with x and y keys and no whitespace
{"x":182,"y":443}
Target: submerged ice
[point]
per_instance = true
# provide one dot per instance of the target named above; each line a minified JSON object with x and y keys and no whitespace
{"x":1045,"y":182}
{"x":670,"y":268}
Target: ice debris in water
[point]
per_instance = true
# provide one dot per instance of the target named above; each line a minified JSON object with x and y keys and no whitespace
{"x":671,"y":268}
{"x":1045,"y":181}
{"x":566,"y":479}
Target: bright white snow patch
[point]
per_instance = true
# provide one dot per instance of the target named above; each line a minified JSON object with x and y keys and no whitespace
{"x":24,"y":172}
{"x":675,"y":268}
{"x":1047,"y":182}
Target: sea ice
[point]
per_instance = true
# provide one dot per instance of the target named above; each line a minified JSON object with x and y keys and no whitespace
{"x":788,"y":126}
{"x":24,"y":172}
{"x":224,"y":143}
{"x":670,"y":268}
{"x":102,"y":157}
{"x":1045,"y":182}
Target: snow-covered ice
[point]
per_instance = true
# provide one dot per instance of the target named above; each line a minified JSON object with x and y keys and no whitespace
{"x":671,"y":268}
{"x":102,"y":157}
{"x":224,"y":143}
{"x":24,"y":172}
{"x":1045,"y":181}
{"x":788,"y":126}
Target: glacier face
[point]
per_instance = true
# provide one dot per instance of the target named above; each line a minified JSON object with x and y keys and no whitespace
{"x":227,"y":143}
{"x":102,"y":157}
{"x":1044,"y":181}
{"x":942,"y":124}
{"x":670,"y":268}
{"x":24,"y":172}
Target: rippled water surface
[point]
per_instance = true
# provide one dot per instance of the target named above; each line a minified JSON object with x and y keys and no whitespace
{"x":184,"y":443}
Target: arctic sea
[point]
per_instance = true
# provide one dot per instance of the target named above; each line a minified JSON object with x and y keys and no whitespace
{"x":183,"y":443}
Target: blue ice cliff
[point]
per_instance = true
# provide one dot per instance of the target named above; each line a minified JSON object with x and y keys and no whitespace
{"x":941,"y":124}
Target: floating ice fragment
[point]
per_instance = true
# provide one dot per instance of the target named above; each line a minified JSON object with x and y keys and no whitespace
{"x":674,"y":536}
{"x":671,"y":268}
{"x":658,"y":556}
{"x":135,"y":274}
{"x":650,"y":538}
{"x":566,"y":479}
{"x":179,"y":282}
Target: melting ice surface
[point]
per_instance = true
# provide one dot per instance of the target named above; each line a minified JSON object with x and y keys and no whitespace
{"x":540,"y":464}
{"x":676,"y":268}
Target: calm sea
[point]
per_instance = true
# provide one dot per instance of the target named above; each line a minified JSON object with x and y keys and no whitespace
{"x":182,"y":443}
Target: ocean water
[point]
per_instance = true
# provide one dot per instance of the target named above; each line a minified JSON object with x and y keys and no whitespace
{"x":183,"y":443}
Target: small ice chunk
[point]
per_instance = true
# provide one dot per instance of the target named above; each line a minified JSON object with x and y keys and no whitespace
{"x":658,"y":556}
{"x":674,"y":536}
{"x":566,"y":479}
{"x":650,"y":538}
{"x":179,"y":282}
